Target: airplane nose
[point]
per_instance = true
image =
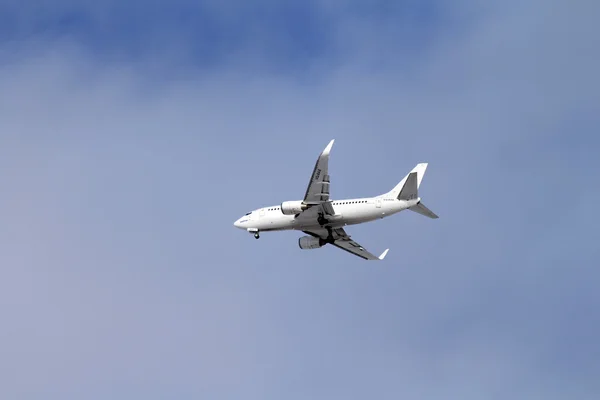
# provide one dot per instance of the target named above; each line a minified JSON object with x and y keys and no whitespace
{"x":237,"y":224}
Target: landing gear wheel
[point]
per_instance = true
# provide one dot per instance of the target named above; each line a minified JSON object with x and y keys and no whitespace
{"x":329,"y":235}
{"x":256,"y":235}
{"x":321,"y":220}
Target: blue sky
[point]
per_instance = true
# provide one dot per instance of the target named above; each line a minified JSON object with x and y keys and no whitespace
{"x":133,"y":136}
{"x":279,"y":38}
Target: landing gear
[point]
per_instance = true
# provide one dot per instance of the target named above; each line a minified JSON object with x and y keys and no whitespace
{"x":321,"y":219}
{"x":256,"y":235}
{"x":329,"y":235}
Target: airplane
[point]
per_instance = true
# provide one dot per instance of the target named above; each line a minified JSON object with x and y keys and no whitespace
{"x":323,"y":220}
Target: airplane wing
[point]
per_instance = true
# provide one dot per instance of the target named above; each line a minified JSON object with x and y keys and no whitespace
{"x":325,"y":208}
{"x":339,"y":238}
{"x":318,"y":187}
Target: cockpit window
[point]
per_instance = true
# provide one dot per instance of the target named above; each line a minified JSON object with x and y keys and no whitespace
{"x":248,"y":213}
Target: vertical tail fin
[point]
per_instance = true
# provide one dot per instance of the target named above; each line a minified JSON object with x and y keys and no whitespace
{"x":417,"y":176}
{"x":408,"y":189}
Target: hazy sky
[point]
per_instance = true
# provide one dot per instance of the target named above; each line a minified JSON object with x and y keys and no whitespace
{"x":133,"y":134}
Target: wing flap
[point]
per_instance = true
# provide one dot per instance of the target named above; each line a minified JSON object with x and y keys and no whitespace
{"x":340,"y":239}
{"x":352,"y":247}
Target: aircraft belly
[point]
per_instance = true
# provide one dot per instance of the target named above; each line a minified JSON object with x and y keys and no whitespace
{"x":359,"y":216}
{"x":276,"y":223}
{"x":359,"y":220}
{"x":343,"y":218}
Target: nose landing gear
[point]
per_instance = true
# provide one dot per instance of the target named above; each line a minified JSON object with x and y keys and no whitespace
{"x":255,"y":232}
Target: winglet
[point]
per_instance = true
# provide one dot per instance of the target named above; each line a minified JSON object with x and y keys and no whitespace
{"x":382,"y":256}
{"x":328,"y":148}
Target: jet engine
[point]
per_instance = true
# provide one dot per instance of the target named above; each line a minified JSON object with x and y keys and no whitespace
{"x":310,"y":242}
{"x":293,"y":207}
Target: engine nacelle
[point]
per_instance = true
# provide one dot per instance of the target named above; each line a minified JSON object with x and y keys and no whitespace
{"x":310,"y":242}
{"x":292,"y":207}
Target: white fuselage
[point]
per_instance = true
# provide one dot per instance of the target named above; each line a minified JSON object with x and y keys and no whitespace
{"x":347,"y":212}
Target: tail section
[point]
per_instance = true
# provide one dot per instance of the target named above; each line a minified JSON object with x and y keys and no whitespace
{"x":415,"y":176}
{"x":421,"y":209}
{"x":408,"y":189}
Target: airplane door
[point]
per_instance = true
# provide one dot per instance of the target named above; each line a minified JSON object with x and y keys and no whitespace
{"x":262,"y":212}
{"x":378,"y":203}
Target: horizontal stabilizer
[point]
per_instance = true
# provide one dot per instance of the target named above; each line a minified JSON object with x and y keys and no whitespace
{"x":421,"y":209}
